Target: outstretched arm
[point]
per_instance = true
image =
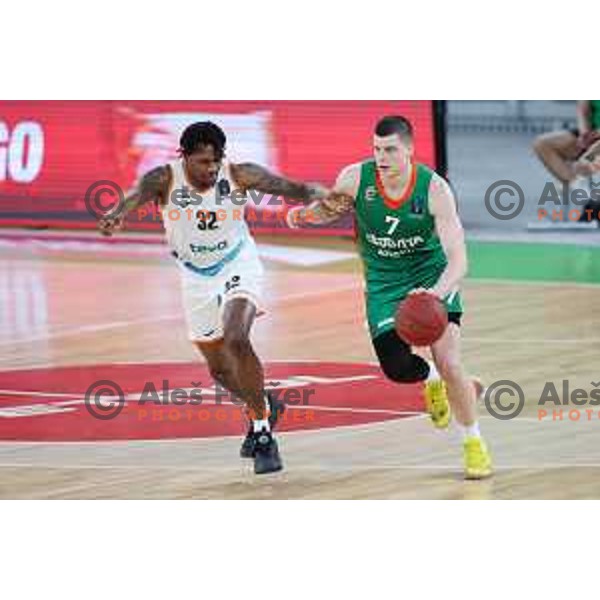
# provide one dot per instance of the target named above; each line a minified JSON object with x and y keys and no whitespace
{"x":451,"y":234}
{"x":152,"y":187}
{"x":336,"y":204}
{"x":250,"y":176}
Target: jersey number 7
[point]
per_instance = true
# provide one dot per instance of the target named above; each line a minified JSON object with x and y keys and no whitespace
{"x":394,"y":224}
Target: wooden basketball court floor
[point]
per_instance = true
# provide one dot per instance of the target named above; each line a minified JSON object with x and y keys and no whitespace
{"x":63,"y":309}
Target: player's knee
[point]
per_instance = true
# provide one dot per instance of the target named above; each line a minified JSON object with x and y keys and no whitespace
{"x":398,"y":375}
{"x":403,"y":369}
{"x":237,"y":343}
{"x":397,"y":361}
{"x":221,"y":372}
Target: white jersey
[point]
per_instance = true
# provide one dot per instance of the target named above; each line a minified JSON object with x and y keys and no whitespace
{"x":204,"y":229}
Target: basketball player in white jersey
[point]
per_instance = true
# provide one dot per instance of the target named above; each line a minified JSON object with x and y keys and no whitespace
{"x":219,"y":265}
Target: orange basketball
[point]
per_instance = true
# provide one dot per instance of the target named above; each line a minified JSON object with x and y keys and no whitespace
{"x":421,"y":319}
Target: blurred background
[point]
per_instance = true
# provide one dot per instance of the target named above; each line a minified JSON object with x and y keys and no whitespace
{"x":52,"y":152}
{"x":489,"y":141}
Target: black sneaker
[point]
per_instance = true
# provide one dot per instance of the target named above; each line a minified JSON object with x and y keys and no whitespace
{"x":276,"y":409}
{"x":266,"y":453}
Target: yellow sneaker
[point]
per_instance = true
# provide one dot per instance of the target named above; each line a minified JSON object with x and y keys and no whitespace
{"x":478,"y":460}
{"x":436,"y":403}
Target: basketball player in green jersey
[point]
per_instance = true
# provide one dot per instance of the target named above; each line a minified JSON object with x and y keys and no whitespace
{"x":410,"y":239}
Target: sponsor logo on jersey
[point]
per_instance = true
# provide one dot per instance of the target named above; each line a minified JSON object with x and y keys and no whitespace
{"x":232,"y":283}
{"x":370,"y":193}
{"x":396,"y":244}
{"x":417,"y":206}
{"x":223,"y":188}
{"x":201,"y":248}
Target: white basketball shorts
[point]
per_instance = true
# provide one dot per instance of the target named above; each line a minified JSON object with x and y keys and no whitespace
{"x":205,"y":296}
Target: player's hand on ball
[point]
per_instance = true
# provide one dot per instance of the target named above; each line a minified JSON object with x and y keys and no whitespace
{"x":108,"y":225}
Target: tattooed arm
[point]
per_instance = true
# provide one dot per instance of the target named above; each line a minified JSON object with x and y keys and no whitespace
{"x":254,"y":177}
{"x":152,"y":187}
{"x":336,"y":204}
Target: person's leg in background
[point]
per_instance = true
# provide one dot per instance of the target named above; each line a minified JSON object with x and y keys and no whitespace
{"x":558,"y":151}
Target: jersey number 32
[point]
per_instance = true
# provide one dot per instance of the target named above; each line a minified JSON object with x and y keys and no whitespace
{"x":207,"y":220}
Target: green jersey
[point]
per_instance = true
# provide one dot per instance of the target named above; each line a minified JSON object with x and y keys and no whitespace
{"x":398,"y":244}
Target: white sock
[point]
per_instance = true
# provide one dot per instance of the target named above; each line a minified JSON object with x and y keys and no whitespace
{"x":433,"y":372}
{"x":260,"y":424}
{"x":471,"y":430}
